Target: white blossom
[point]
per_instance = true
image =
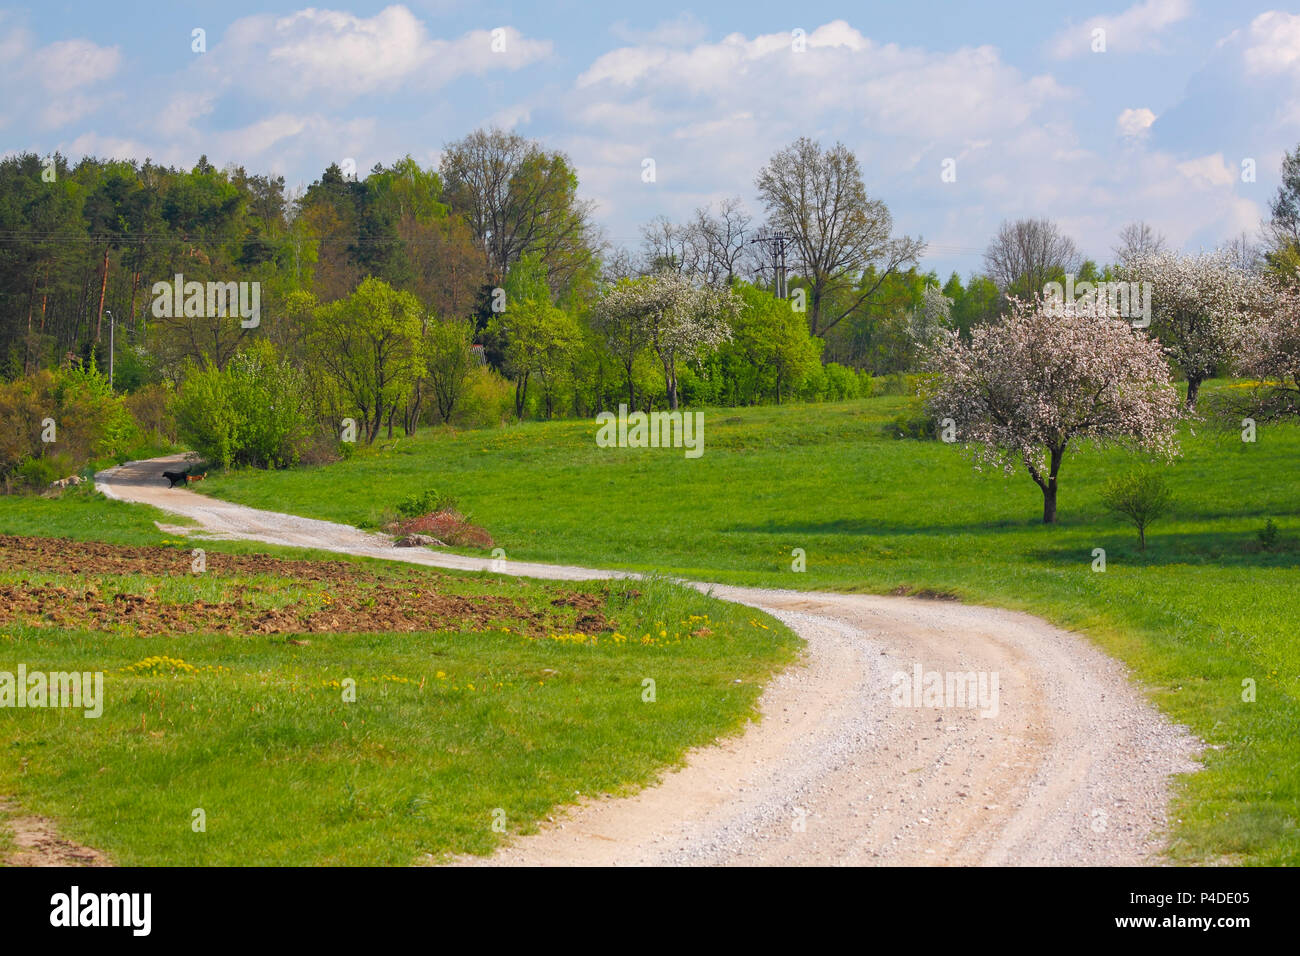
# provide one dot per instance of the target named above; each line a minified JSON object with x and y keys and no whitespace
{"x":1024,"y":390}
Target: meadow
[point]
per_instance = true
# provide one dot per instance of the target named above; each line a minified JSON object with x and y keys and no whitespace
{"x":479,"y":703}
{"x":1208,"y":611}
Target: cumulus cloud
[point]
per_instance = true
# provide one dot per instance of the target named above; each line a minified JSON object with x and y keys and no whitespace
{"x":1272,"y":44}
{"x":912,"y":91}
{"x":56,"y":84}
{"x":1134,"y":122}
{"x":74,"y":64}
{"x":1249,"y":86}
{"x":327,"y":52}
{"x":711,"y":113}
{"x":1136,"y":29}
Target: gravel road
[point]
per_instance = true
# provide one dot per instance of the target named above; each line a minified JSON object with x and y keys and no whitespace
{"x":1066,"y":764}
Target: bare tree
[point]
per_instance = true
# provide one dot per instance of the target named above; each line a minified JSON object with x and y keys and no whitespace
{"x":1136,"y":240}
{"x":817,"y":198}
{"x":668,"y":247}
{"x":1027,"y":254}
{"x":722,"y":239}
{"x":1244,"y":253}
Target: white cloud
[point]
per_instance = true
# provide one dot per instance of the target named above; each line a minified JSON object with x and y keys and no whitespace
{"x":1132,"y":31}
{"x":910,"y":91}
{"x":682,"y":30}
{"x":54,"y":85}
{"x":1273,"y":44}
{"x":72,"y":64}
{"x":712,"y":113}
{"x":511,"y":116}
{"x":1134,"y":122}
{"x":327,"y":52}
{"x":1210,"y":170}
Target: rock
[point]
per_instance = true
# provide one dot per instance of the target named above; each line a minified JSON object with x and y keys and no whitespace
{"x":417,"y":541}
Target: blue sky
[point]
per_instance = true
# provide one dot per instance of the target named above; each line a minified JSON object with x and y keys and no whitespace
{"x":1156,"y":127}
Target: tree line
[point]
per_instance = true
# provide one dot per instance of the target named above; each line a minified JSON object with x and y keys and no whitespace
{"x":482,"y":290}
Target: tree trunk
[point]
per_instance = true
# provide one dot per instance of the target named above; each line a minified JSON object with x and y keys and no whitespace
{"x":1193,"y":389}
{"x":670,"y":385}
{"x":103,"y":288}
{"x":521,"y":395}
{"x":135,"y":282}
{"x":1049,"y":487}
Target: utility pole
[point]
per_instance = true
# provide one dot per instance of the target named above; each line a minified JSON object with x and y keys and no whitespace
{"x":776,"y":244}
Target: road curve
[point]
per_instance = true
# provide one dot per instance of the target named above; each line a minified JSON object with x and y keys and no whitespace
{"x":1074,"y":768}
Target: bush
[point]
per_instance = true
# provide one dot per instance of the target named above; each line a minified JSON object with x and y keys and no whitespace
{"x":255,"y":411}
{"x":1267,"y":535}
{"x":1139,"y":497}
{"x":843,"y":383}
{"x":90,"y":423}
{"x":448,"y":526}
{"x":916,"y":422}
{"x":150,"y":407}
{"x":425,"y":502}
{"x":488,"y":401}
{"x":39,"y":473}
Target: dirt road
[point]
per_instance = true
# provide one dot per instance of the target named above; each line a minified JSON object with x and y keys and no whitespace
{"x":1061,"y":761}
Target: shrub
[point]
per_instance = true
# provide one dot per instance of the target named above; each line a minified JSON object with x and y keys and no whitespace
{"x":915,"y":422}
{"x":1138,"y":497}
{"x":843,"y":383}
{"x":448,"y":526}
{"x":150,"y":407}
{"x":487,"y":402}
{"x":1268,"y":535}
{"x":255,"y":411}
{"x":38,"y":473}
{"x":425,"y":502}
{"x":90,"y":423}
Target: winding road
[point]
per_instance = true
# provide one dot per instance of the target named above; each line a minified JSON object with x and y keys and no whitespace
{"x":1072,"y":767}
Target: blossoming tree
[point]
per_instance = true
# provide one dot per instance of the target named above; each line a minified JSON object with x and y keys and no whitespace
{"x":674,"y":317}
{"x":1269,"y":353}
{"x":1198,"y":307}
{"x":1024,"y":390}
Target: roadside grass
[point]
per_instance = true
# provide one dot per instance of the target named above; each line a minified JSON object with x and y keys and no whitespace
{"x":451,"y":729}
{"x":1202,"y":610}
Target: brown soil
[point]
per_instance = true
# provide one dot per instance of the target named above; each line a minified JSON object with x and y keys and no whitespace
{"x":36,"y":842}
{"x":358,"y":600}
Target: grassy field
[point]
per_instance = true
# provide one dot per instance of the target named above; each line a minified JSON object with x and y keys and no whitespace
{"x":1205,"y":608}
{"x":485,"y":702}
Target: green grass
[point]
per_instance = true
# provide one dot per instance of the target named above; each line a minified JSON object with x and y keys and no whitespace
{"x":1203,"y":609}
{"x":448,"y":729}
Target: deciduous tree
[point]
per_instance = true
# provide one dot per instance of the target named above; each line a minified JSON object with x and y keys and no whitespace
{"x":816,"y":196}
{"x":1024,"y":390}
